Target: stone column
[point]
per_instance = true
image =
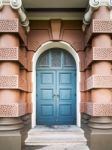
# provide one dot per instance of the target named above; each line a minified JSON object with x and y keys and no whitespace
{"x":99,"y":84}
{"x":13,"y":86}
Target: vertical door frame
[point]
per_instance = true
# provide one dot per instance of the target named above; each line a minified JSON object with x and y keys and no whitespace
{"x":43,"y":48}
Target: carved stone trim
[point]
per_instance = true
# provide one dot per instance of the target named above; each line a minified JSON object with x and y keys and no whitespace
{"x":93,"y":5}
{"x":9,"y":53}
{"x":12,"y":109}
{"x":17,"y":5}
{"x":102,"y":26}
{"x":98,"y":26}
{"x":9,"y":25}
{"x":99,"y":109}
{"x":98,"y":53}
{"x":13,"y":26}
{"x":99,"y":81}
{"x":13,"y":82}
{"x":56,"y":29}
{"x":13,"y":54}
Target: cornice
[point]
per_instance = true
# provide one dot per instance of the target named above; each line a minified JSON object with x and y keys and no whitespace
{"x":94,"y":5}
{"x":17,"y":5}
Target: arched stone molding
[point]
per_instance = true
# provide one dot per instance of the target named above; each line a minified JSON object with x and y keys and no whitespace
{"x":42,"y":49}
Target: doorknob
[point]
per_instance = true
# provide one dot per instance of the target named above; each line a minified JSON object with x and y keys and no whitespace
{"x":54,"y":95}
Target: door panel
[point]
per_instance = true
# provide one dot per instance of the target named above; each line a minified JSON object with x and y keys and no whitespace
{"x":45,"y":97}
{"x":67,"y":100}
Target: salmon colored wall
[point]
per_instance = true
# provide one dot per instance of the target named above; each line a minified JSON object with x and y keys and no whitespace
{"x":58,"y":30}
{"x":18,"y":47}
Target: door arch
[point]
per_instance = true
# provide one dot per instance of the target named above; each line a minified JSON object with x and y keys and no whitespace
{"x":56,"y":88}
{"x":42,"y":49}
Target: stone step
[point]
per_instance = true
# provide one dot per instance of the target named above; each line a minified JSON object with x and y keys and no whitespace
{"x":59,"y":147}
{"x":50,"y":141}
{"x":67,"y":128}
{"x":62,"y":147}
{"x":60,"y":135}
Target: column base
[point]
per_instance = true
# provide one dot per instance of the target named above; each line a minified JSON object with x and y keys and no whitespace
{"x":13,"y":132}
{"x":99,"y":139}
{"x":98,"y":131}
{"x":10,"y":140}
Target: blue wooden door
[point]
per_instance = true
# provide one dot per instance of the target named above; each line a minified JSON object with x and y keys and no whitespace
{"x":56,"y":89}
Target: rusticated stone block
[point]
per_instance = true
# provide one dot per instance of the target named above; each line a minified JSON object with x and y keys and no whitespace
{"x":13,"y":25}
{"x":13,"y":54}
{"x":9,"y":25}
{"x":23,"y":57}
{"x":9,"y":53}
{"x":99,"y":109}
{"x":12,"y":109}
{"x":98,"y":26}
{"x":29,"y":102}
{"x":98,"y":53}
{"x":82,"y":82}
{"x":23,"y":80}
{"x":99,"y":81}
{"x":12,"y":82}
{"x":29,"y":79}
{"x":9,"y":81}
{"x":102,"y":26}
{"x":29,"y":60}
{"x":82,"y":107}
{"x":88,"y":57}
{"x":102,"y":53}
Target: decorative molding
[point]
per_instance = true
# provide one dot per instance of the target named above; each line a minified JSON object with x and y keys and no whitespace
{"x":9,"y":25}
{"x":99,"y":81}
{"x":102,"y":53}
{"x":13,"y":25}
{"x":13,"y":54}
{"x":97,"y":54}
{"x":93,"y":5}
{"x":17,"y":5}
{"x":9,"y":53}
{"x":102,"y":26}
{"x":99,"y":109}
{"x":98,"y":26}
{"x":12,"y":109}
{"x":13,"y":82}
{"x":56,"y":29}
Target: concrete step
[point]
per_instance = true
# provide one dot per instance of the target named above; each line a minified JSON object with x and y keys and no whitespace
{"x":65,"y":147}
{"x":57,"y":147}
{"x":60,"y":135}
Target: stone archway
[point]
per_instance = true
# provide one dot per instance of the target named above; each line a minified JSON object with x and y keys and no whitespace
{"x":42,"y":49}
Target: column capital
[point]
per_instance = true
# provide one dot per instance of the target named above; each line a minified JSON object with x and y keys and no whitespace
{"x":94,"y":5}
{"x":98,"y":3}
{"x":17,"y":5}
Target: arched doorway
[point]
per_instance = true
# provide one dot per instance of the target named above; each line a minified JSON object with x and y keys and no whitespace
{"x":44,"y":47}
{"x":56,"y":88}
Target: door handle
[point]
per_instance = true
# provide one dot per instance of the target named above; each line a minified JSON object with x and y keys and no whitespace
{"x":55,"y":94}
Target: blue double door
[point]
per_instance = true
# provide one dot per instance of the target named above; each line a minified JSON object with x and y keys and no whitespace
{"x":56,"y":88}
{"x":56,"y":97}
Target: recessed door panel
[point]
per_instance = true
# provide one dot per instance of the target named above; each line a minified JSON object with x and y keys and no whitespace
{"x":67,"y":99}
{"x":45,"y":97}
